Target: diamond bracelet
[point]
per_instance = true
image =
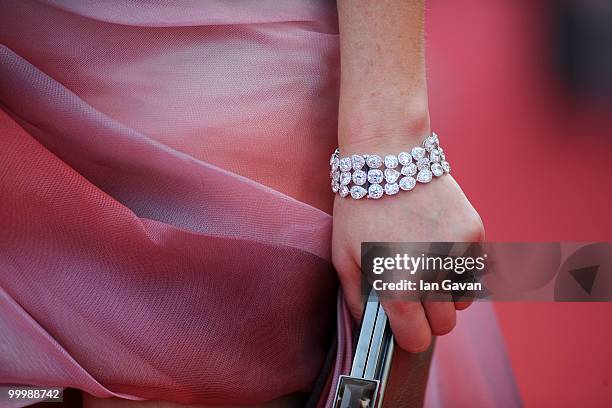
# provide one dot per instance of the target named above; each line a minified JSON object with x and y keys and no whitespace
{"x":363,"y":175}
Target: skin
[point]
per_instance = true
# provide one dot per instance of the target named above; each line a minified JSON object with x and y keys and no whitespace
{"x":383,"y":110}
{"x":405,"y":217}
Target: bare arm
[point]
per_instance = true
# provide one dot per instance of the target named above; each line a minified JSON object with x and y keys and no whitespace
{"x":384,"y":109}
{"x":383,"y":90}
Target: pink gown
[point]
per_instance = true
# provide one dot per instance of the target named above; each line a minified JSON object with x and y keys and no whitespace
{"x":164,"y":206}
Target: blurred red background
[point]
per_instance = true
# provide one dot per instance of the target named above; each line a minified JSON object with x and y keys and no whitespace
{"x":537,"y":170}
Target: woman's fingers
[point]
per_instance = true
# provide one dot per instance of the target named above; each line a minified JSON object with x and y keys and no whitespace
{"x":412,"y":322}
{"x":350,"y":278}
{"x":441,"y":316}
{"x":409,"y":324}
{"x":462,"y":305}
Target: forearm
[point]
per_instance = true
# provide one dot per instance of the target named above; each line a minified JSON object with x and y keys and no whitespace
{"x":383,"y":89}
{"x":383,"y":110}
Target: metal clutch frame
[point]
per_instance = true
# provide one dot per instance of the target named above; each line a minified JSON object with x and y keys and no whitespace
{"x":365,"y":386}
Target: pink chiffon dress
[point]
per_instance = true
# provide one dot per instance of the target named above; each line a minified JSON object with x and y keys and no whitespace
{"x":165,"y":209}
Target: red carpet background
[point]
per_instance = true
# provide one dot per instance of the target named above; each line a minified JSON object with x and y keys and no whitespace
{"x":535,"y":163}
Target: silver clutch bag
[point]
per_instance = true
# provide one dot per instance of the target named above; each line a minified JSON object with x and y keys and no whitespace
{"x":382,"y":375}
{"x":365,"y":386}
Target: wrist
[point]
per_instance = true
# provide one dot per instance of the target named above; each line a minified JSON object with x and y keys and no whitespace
{"x":382,"y":125}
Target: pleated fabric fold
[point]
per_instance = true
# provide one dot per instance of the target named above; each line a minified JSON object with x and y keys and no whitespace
{"x":147,"y":308}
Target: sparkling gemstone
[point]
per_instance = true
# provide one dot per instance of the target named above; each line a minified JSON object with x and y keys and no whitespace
{"x":375,"y":176}
{"x":391,"y":188}
{"x":334,"y":155}
{"x":404,"y":158}
{"x":435,"y":156}
{"x":358,"y":162}
{"x":423,"y":163}
{"x":344,"y":191}
{"x":391,"y":175}
{"x":442,"y":155}
{"x":374,"y":161}
{"x":445,"y":166}
{"x":407,"y":183}
{"x":435,"y":137}
{"x":345,"y":164}
{"x":375,"y":191}
{"x":335,"y":162}
{"x":336,"y":175}
{"x":409,"y":170}
{"x":424,"y":176}
{"x":360,"y":177}
{"x":430,"y":143}
{"x":345,"y":178}
{"x":391,"y":161}
{"x":437,"y":169}
{"x":334,"y":186}
{"x":358,"y":192}
{"x":417,"y":153}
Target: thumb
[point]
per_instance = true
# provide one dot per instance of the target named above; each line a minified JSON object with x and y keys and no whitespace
{"x":349,"y":274}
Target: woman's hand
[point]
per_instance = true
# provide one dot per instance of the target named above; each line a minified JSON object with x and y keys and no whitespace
{"x":438,"y":211}
{"x":384,"y":110}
